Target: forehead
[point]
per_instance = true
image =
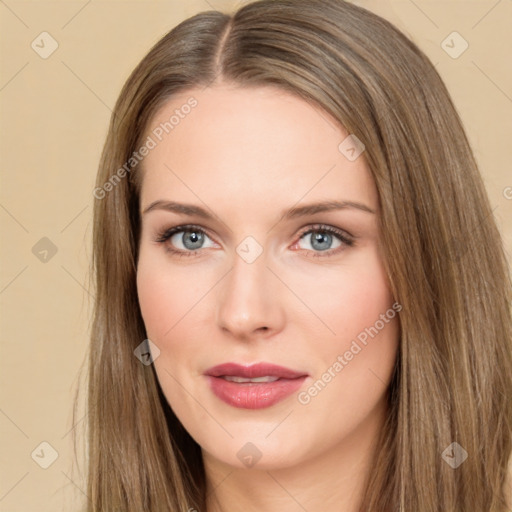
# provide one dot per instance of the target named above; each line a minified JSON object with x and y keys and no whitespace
{"x":253,"y":147}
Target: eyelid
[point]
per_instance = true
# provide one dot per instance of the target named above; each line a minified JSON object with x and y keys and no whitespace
{"x":165,"y":234}
{"x":325,"y":227}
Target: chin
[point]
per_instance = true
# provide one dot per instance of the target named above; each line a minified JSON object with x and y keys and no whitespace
{"x":255,"y":452}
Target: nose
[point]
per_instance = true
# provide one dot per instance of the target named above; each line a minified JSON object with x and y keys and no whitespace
{"x":249,"y":304}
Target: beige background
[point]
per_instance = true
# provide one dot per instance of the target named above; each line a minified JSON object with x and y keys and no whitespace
{"x":54,"y":116}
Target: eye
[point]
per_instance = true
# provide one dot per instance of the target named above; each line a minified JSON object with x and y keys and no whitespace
{"x":189,"y":240}
{"x":324,"y":239}
{"x":185,"y":240}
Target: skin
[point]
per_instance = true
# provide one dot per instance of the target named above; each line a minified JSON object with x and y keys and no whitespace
{"x":248,"y":156}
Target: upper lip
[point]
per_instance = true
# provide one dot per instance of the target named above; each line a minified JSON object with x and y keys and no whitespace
{"x":253,"y":371}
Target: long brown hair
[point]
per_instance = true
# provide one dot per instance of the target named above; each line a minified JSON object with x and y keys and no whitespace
{"x":442,"y":250}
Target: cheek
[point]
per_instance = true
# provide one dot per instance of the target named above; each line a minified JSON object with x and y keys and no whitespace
{"x":360,"y":352}
{"x":165,"y":294}
{"x":364,"y":300}
{"x":156,"y":299}
{"x":347,"y":299}
{"x":353,"y":366}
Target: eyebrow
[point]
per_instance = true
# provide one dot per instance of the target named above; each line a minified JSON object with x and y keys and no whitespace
{"x":292,"y":213}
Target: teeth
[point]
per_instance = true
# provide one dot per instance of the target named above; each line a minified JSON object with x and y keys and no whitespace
{"x":242,"y":380}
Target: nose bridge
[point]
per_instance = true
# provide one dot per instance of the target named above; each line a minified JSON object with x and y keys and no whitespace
{"x":249,"y":300}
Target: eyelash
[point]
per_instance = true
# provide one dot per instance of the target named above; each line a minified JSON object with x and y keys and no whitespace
{"x":346,"y":239}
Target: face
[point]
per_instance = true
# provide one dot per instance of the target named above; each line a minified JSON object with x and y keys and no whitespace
{"x":260,"y":278}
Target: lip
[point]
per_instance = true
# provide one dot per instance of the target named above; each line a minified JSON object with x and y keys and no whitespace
{"x":253,"y":395}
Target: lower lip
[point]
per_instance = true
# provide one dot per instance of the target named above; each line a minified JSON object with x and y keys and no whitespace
{"x":254,"y":395}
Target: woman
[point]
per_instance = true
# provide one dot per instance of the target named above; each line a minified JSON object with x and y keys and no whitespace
{"x":302,"y":297}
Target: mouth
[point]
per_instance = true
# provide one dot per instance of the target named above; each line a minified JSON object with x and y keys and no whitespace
{"x":255,"y":386}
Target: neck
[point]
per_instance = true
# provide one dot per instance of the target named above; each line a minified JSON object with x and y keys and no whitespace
{"x":331,"y":481}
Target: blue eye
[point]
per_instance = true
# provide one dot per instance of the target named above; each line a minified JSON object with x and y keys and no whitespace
{"x":325,"y":238}
{"x":186,"y":240}
{"x":189,"y":240}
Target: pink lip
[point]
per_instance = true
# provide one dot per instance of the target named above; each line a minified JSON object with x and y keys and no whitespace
{"x":252,"y":395}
